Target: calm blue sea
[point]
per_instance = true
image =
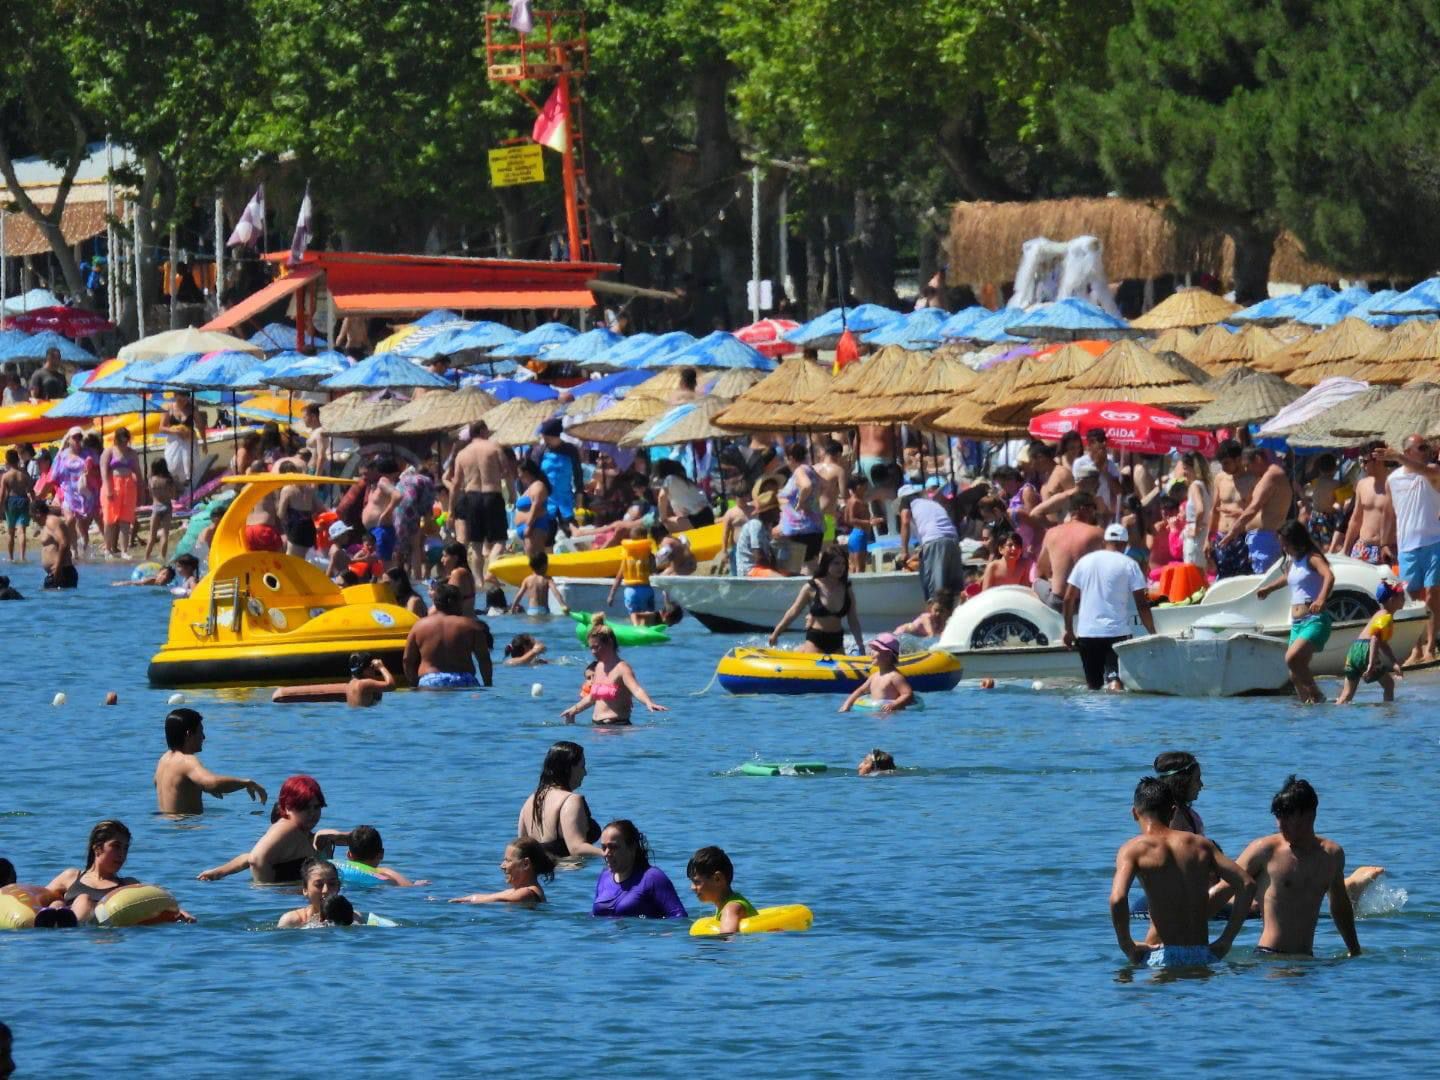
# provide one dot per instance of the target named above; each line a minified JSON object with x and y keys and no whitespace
{"x":960,"y":908}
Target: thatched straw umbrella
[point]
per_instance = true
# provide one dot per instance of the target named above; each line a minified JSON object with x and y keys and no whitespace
{"x":514,"y":423}
{"x":1409,"y":352}
{"x":868,"y":377}
{"x":1129,"y":372}
{"x":353,"y":415}
{"x":1186,"y":308}
{"x":611,"y":424}
{"x":925,"y":384}
{"x":1318,"y":430}
{"x":660,"y":386}
{"x":967,"y":418}
{"x":694,"y":426}
{"x":1243,"y":397}
{"x":766,"y":405}
{"x":1218,"y":347}
{"x":1415,"y":409}
{"x":1293,"y":333}
{"x":1176,"y":340}
{"x":734,"y":382}
{"x":1333,"y":351}
{"x":442,"y":412}
{"x":1040,"y":379}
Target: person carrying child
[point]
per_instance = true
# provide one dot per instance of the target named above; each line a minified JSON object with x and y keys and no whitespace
{"x":1370,"y":658}
{"x":712,"y":878}
{"x":886,"y":686}
{"x":320,"y":885}
{"x":525,"y":862}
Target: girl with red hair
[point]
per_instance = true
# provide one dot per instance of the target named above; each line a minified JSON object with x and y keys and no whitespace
{"x":291,"y":839}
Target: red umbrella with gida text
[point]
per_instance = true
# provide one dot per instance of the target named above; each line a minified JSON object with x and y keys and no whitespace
{"x":768,"y":337}
{"x":1141,"y":429}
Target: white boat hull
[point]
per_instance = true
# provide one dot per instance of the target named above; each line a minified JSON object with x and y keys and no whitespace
{"x":744,"y":605}
{"x":1231,"y":666}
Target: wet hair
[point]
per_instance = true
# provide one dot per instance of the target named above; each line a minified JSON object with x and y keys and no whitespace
{"x":339,"y":910}
{"x":1230,"y":448}
{"x":1298,"y":536}
{"x":1175,"y":769}
{"x":180,"y":724}
{"x":317,"y":865}
{"x":1296,"y":799}
{"x":359,"y":661}
{"x":7,"y":872}
{"x":560,"y":762}
{"x":187,"y":559}
{"x":446,"y":598}
{"x":103,"y":833}
{"x":708,"y":861}
{"x":297,"y":791}
{"x":602,"y":633}
{"x":533,"y":852}
{"x":633,"y":838}
{"x":519,"y":645}
{"x":455,"y":550}
{"x":1153,"y":798}
{"x":365,"y":844}
{"x":540,"y":563}
{"x":12,"y":458}
{"x":880,"y":760}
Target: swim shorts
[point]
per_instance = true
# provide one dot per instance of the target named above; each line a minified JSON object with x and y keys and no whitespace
{"x":538,"y":609}
{"x":300,"y":529}
{"x":1420,"y":567}
{"x":263,"y":538}
{"x":1312,"y":628}
{"x":17,"y":511}
{"x":639,"y":598}
{"x":384,"y":541}
{"x":1366,"y":553}
{"x":812,"y":542}
{"x":1231,"y":560}
{"x":1097,"y":657}
{"x":1357,"y":659}
{"x":448,"y":680}
{"x":63,"y":577}
{"x":1178,"y":956}
{"x":484,"y":515}
{"x":1263,"y":547}
{"x":857,"y":541}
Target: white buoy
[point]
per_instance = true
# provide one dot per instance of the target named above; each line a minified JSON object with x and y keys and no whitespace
{"x":536,"y":689}
{"x":176,"y":699}
{"x":1037,"y":685}
{"x":58,"y":699}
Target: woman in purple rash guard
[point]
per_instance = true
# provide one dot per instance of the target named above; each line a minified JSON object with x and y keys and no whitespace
{"x":629,"y":887}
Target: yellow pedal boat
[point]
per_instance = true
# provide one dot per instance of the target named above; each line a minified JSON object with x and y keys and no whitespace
{"x":260,"y":618}
{"x":600,"y":562}
{"x":780,"y":671}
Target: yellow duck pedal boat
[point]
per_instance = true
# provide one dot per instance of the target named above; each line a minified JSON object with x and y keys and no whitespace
{"x":261,"y":618}
{"x":780,"y":671}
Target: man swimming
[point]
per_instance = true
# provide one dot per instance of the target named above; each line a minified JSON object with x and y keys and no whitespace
{"x":181,"y":778}
{"x":440,"y":647}
{"x":1293,"y":870}
{"x":1176,"y":869}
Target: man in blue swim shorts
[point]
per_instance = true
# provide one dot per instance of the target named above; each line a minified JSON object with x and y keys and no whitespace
{"x":443,"y":649}
{"x":1175,"y":868}
{"x":1266,"y":511}
{"x":1415,"y":495}
{"x":379,"y":513}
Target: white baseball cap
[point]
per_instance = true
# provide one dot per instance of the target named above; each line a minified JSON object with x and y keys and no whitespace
{"x":1084,"y":467}
{"x":1117,"y":534}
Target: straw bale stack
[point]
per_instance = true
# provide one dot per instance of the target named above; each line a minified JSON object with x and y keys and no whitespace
{"x":1131,"y":373}
{"x":1185,"y":309}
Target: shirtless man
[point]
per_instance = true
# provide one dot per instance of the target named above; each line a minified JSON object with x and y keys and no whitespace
{"x":834,"y":483}
{"x":316,"y":440}
{"x":1370,"y":536}
{"x":15,"y":488}
{"x":1266,"y":511}
{"x":877,"y":447}
{"x":477,"y":479}
{"x":57,"y":546}
{"x":1233,"y":487}
{"x":379,"y":513}
{"x":181,"y":778}
{"x":1293,"y":870}
{"x":1063,"y":546}
{"x":1176,"y":869}
{"x":442,"y":649}
{"x":1056,"y":482}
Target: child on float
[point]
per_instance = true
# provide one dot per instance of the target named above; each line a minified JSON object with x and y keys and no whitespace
{"x":712,"y":879}
{"x":886,"y":686}
{"x":319,"y":883}
{"x":525,"y":862}
{"x":367,"y":849}
{"x":1370,"y":658}
{"x":537,"y":588}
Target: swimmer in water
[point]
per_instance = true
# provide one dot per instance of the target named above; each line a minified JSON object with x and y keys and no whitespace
{"x":319,"y":883}
{"x":889,"y":689}
{"x":525,"y":651}
{"x":876,"y":762}
{"x":367,"y":849}
{"x":712,"y":879}
{"x":1175,"y":868}
{"x":181,"y":778}
{"x":537,"y":588}
{"x":84,"y":890}
{"x":931,"y":622}
{"x":526,"y":861}
{"x":613,"y":687}
{"x":290,"y":841}
{"x":369,"y":681}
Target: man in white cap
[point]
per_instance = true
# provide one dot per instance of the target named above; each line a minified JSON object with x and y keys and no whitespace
{"x":1099,"y":595}
{"x":942,"y":566}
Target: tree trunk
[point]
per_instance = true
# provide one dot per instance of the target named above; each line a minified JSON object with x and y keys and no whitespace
{"x":48,"y":221}
{"x":872,"y":250}
{"x":817,"y":277}
{"x":962,"y":145}
{"x":1254,"y":248}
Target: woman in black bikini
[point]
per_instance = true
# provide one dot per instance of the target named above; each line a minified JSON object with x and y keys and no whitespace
{"x":279,"y":855}
{"x":561,"y":821}
{"x":85,"y":889}
{"x":831,"y":603}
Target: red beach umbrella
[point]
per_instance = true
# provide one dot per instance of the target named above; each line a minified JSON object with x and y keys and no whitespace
{"x":767,"y":337}
{"x":1141,"y":429}
{"x":72,"y":322}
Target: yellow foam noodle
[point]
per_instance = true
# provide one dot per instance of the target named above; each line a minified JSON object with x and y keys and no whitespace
{"x":600,"y":562}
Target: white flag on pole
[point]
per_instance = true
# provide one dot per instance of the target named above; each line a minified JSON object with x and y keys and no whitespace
{"x":303,"y":230}
{"x":250,"y":229}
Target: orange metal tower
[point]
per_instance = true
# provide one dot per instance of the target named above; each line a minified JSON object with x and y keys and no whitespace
{"x":556,"y":50}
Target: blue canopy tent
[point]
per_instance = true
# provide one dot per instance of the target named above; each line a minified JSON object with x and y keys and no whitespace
{"x":536,"y":343}
{"x":921,"y":326}
{"x":715,"y":350}
{"x":1071,"y":319}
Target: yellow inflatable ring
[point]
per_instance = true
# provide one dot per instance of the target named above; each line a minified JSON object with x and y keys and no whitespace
{"x":19,"y":903}
{"x":765,"y":920}
{"x":137,"y":905}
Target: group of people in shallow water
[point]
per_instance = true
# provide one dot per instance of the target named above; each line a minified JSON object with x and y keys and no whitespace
{"x":1281,"y":878}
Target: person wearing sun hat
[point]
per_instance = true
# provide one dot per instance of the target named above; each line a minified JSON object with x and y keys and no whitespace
{"x":1099,"y":593}
{"x":886,"y":689}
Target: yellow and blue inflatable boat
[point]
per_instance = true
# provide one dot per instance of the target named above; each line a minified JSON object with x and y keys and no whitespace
{"x":780,"y":671}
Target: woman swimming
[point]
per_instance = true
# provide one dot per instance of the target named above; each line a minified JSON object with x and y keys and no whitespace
{"x":629,"y":887}
{"x":526,"y":861}
{"x":84,"y":890}
{"x":291,"y":840}
{"x":320,"y":885}
{"x":560,"y":822}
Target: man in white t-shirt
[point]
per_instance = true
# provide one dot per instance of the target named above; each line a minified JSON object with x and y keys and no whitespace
{"x":1415,"y":499}
{"x":1101,"y":588}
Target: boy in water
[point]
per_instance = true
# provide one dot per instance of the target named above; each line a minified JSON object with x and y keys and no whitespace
{"x":886,"y":687}
{"x":181,"y":778}
{"x":1175,"y":868}
{"x":367,"y":849}
{"x":1294,"y":869}
{"x":1370,"y":658}
{"x":711,"y":877}
{"x":15,"y":488}
{"x":535,"y":591}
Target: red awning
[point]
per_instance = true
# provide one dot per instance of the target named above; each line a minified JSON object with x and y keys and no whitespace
{"x":255,"y":303}
{"x":501,"y":299}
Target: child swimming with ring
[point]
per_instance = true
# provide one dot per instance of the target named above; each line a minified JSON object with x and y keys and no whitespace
{"x":525,"y":862}
{"x":320,"y":882}
{"x":367,"y":849}
{"x":712,"y":879}
{"x":886,"y":686}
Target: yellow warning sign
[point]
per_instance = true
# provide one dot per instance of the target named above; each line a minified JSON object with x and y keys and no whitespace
{"x":517,"y":165}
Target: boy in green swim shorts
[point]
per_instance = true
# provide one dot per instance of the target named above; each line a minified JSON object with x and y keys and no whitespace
{"x":711,"y":877}
{"x":1370,"y":658}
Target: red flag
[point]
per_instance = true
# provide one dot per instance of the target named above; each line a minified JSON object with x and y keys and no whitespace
{"x":550,"y":128}
{"x":847,"y":351}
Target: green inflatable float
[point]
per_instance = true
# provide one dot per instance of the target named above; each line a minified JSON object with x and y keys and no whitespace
{"x":625,"y":634}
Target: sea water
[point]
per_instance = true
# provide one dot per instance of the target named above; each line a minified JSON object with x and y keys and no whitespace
{"x":961,"y":920}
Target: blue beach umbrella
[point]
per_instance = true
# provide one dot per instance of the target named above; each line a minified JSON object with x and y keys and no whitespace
{"x":1421,"y":299}
{"x":162,"y":372}
{"x":825,"y":330}
{"x":480,"y":336}
{"x":434,"y":318}
{"x":995,"y":326}
{"x":608,"y":384}
{"x":1069,"y":320}
{"x":279,"y":336}
{"x":662,"y":346}
{"x":255,"y":378}
{"x":308,"y":372}
{"x":1327,"y":312}
{"x":1373,"y":309}
{"x":586,"y":346}
{"x":35,"y":346}
{"x":719,"y":349}
{"x":218,"y":371}
{"x":918,"y":330}
{"x":11,"y":337}
{"x":87,"y":405}
{"x":386,"y":371}
{"x":119,"y":380}
{"x":503,"y":390}
{"x":621,"y":355}
{"x":1284,"y":308}
{"x":537,"y":342}
{"x":956,"y":325}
